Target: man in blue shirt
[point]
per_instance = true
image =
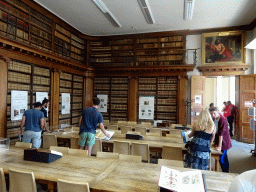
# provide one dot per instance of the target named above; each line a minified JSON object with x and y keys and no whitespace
{"x":88,"y":123}
{"x":33,"y":120}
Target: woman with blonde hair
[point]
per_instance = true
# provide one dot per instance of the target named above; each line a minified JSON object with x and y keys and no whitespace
{"x":203,"y":132}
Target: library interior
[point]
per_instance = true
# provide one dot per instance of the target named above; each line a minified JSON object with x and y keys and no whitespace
{"x":138,"y":95}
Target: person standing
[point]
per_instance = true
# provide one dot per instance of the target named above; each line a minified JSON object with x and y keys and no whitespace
{"x":222,"y":138}
{"x":45,"y":104}
{"x":89,"y":120}
{"x":231,"y":117}
{"x":203,"y":132}
{"x":33,"y":120}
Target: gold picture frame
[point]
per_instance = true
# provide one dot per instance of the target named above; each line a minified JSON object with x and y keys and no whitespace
{"x":222,"y":48}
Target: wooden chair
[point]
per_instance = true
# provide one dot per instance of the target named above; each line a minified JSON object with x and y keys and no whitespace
{"x":96,"y":147}
{"x":121,"y":122}
{"x":175,"y":125}
{"x":173,"y":153}
{"x":21,"y":181}
{"x":174,"y":136}
{"x":142,"y":130}
{"x":74,"y":143}
{"x":113,"y":127}
{"x":108,"y":155}
{"x":2,"y":181}
{"x":75,"y":129}
{"x":122,"y":147}
{"x":125,"y":129}
{"x":167,"y":162}
{"x":142,"y":150}
{"x":146,"y":123}
{"x":78,"y":152}
{"x":23,"y":145}
{"x":156,"y":131}
{"x":132,"y":158}
{"x":49,"y":140}
{"x":63,"y":150}
{"x":67,"y":186}
{"x":131,"y":123}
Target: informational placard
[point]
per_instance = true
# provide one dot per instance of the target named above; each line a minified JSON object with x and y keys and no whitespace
{"x":146,"y":107}
{"x":103,"y":107}
{"x":19,"y":104}
{"x":248,"y":103}
{"x":198,"y":99}
{"x":65,"y":103}
{"x":40,"y":96}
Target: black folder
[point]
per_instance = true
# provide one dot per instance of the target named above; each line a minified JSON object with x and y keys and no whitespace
{"x":42,"y":155}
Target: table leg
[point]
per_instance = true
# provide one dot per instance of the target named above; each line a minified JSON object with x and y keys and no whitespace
{"x":217,"y":164}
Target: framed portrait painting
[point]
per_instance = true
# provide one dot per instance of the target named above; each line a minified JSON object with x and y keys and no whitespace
{"x":222,"y":48}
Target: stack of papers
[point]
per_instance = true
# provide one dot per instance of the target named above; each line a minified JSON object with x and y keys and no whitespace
{"x":101,"y":135}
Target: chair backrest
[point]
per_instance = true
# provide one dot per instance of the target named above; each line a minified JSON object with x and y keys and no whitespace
{"x":63,"y":150}
{"x":2,"y":181}
{"x":108,"y":155}
{"x":157,"y":131}
{"x":75,"y":128}
{"x":78,"y":152}
{"x":113,"y":127}
{"x":122,"y":147}
{"x":131,"y":123}
{"x":142,"y":130}
{"x":22,"y":181}
{"x":176,"y":125}
{"x":96,"y":147}
{"x":23,"y":145}
{"x":146,"y":123}
{"x":132,"y":158}
{"x":49,"y":140}
{"x":173,"y":153}
{"x":125,"y":129}
{"x":167,"y":162}
{"x":174,"y":136}
{"x":74,"y":143}
{"x":142,"y":150}
{"x":67,"y":186}
{"x":121,"y":122}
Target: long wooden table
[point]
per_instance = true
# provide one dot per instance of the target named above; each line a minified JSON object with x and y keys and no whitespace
{"x":103,"y":174}
{"x":156,"y":143}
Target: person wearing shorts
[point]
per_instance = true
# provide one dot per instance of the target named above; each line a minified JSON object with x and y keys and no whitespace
{"x":33,"y":120}
{"x":89,"y":120}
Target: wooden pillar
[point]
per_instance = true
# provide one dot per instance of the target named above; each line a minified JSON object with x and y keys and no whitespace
{"x":133,"y":99}
{"x":3,"y":95}
{"x":55,"y":92}
{"x":181,"y":97}
{"x":88,"y":89}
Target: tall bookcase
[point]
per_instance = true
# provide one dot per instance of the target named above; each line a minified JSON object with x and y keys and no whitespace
{"x":19,"y":21}
{"x":167,"y":50}
{"x":25,"y":77}
{"x":117,"y":91}
{"x":164,"y":90}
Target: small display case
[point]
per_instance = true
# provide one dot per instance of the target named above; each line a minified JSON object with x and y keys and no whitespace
{"x":4,"y":144}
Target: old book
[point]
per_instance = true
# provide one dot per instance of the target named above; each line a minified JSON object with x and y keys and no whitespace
{"x":177,"y":181}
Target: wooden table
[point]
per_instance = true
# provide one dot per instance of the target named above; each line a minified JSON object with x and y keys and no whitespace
{"x":103,"y":174}
{"x":156,"y":143}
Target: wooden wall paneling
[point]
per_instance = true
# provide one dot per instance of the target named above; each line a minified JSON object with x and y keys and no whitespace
{"x":237,"y":104}
{"x":247,"y":93}
{"x":181,"y":97}
{"x":55,"y":90}
{"x":133,"y":99}
{"x":3,"y":95}
{"x":89,"y":88}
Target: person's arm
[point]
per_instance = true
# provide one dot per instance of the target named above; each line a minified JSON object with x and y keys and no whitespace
{"x":218,"y":148}
{"x":222,"y":48}
{"x":104,"y":130}
{"x":192,"y":132}
{"x":80,"y":121}
{"x":42,"y":123}
{"x":22,"y":124}
{"x":213,"y":135}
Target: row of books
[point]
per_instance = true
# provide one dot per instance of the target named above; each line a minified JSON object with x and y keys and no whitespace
{"x":41,"y":16}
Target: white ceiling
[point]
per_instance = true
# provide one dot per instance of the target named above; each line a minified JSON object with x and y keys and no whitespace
{"x":168,"y":14}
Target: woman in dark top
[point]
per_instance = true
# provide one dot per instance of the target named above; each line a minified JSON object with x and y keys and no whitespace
{"x":203,"y":132}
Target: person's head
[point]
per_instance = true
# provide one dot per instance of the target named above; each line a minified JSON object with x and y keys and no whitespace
{"x":229,"y":103}
{"x":211,"y":105}
{"x":214,"y":113}
{"x":205,"y":119}
{"x":225,"y":103}
{"x":96,"y":101}
{"x":217,"y":41}
{"x":37,"y":105}
{"x":45,"y":103}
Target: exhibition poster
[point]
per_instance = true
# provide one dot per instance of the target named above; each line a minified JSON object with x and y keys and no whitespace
{"x":146,"y":107}
{"x":65,"y":103}
{"x":103,"y":107}
{"x":19,"y":104}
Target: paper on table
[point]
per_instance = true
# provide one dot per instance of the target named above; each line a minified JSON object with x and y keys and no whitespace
{"x":101,"y":135}
{"x":56,"y":152}
{"x":181,"y":181}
